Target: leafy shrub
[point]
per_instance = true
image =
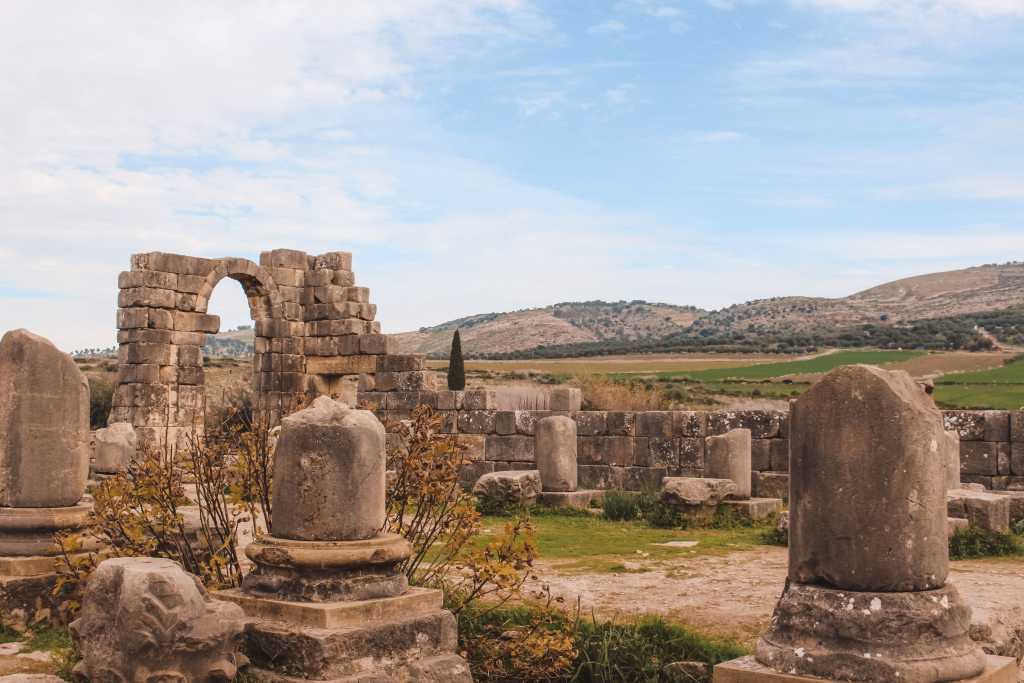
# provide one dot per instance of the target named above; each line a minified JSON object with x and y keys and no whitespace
{"x":538,"y":643}
{"x":660,"y":515}
{"x":974,"y":542}
{"x":101,"y":396}
{"x":621,"y":506}
{"x":775,"y":536}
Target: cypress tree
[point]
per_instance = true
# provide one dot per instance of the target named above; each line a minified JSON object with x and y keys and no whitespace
{"x":456,"y":367}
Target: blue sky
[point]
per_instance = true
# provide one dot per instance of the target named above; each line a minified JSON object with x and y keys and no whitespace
{"x":483,"y":155}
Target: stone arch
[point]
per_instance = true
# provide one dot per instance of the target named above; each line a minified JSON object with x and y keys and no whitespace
{"x":315,"y":333}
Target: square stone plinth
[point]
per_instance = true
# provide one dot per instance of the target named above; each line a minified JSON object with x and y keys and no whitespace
{"x":755,"y":508}
{"x":748,"y":670}
{"x":569,"y":499}
{"x":330,"y":615}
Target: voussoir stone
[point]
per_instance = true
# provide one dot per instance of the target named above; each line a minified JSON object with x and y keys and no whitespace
{"x":329,"y":474}
{"x":555,"y":451}
{"x":868,"y":484}
{"x":146,"y":619}
{"x":694,"y":491}
{"x":44,"y":424}
{"x":115,"y":448}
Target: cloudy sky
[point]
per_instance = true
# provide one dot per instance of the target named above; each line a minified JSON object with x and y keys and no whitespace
{"x":485,"y":155}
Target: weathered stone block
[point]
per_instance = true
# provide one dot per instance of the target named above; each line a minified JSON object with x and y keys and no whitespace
{"x":44,"y":424}
{"x":474,"y":446}
{"x":986,"y":510}
{"x":402,"y":363}
{"x":515,"y":448}
{"x":377,"y":344}
{"x":761,"y":454}
{"x":1017,"y":458}
{"x":606,"y":450}
{"x":656,"y":452}
{"x":770,"y":485}
{"x":643,"y":478}
{"x":565,"y":399}
{"x":780,"y":455}
{"x":591,"y":422}
{"x":997,"y":425}
{"x":979,"y":457}
{"x":655,"y":423}
{"x":476,"y":421}
{"x":505,"y":422}
{"x":480,"y":399}
{"x":115,"y":448}
{"x":691,"y":453}
{"x":687,"y":492}
{"x":969,"y":424}
{"x":1017,"y":426}
{"x":762,"y":424}
{"x":472,"y":471}
{"x":603,"y":477}
{"x":621,"y":423}
{"x":689,"y":424}
{"x":728,"y":457}
{"x":333,"y":260}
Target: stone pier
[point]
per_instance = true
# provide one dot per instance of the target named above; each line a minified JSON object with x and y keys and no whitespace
{"x":328,"y":597}
{"x":44,"y":464}
{"x":555,"y":445}
{"x":867,"y":597}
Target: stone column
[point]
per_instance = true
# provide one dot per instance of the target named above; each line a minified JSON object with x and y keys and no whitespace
{"x":328,"y":597}
{"x":44,"y":463}
{"x":327,"y":539}
{"x":728,"y":456}
{"x":556,"y":453}
{"x":867,"y":598}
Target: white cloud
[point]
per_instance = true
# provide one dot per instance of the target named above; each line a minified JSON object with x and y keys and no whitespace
{"x":611,"y":26}
{"x":619,"y":95}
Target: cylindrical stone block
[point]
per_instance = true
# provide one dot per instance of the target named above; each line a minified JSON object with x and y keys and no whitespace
{"x":555,"y":450}
{"x":867,"y":484}
{"x":44,"y":424}
{"x":329,"y":474}
{"x":728,"y":456}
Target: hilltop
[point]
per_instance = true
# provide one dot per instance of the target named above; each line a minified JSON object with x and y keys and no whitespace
{"x":937,"y":310}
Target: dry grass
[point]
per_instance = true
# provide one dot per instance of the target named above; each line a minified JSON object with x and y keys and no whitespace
{"x":641,"y":365}
{"x":601,"y":393}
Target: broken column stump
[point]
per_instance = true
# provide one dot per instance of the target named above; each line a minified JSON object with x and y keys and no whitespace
{"x":728,"y":456}
{"x":328,"y":597}
{"x":866,"y":597}
{"x":555,"y":448}
{"x":44,"y":464}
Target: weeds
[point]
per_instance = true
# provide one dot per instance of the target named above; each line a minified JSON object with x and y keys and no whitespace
{"x":602,"y":393}
{"x":974,"y":542}
{"x":621,"y":506}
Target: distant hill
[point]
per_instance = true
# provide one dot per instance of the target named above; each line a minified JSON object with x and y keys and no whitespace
{"x":236,"y":343}
{"x":940,"y":310}
{"x":565,"y":323}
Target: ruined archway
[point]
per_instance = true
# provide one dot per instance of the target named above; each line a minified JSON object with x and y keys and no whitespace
{"x":315,"y":330}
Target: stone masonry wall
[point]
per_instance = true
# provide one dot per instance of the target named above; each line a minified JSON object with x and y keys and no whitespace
{"x":634,"y":450}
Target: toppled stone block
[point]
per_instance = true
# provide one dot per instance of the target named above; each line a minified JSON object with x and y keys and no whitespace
{"x":145,"y":619}
{"x":983,"y":509}
{"x":511,"y":487}
{"x":690,"y":492}
{"x":115,"y":448}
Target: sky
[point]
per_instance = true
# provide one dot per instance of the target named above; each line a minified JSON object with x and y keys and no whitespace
{"x":492,"y":155}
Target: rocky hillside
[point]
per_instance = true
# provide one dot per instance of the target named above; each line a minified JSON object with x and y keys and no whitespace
{"x":618,"y":327}
{"x":565,"y":323}
{"x":937,"y":295}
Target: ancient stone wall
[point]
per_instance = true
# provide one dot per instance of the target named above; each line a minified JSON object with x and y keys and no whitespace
{"x":315,"y":335}
{"x":633,"y":450}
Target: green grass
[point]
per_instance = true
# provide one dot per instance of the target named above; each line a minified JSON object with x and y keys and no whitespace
{"x":995,"y":389}
{"x":596,"y":544}
{"x":797,"y":367}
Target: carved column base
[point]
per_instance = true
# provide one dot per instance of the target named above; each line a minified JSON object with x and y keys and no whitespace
{"x":327,"y":571}
{"x":914,"y":637}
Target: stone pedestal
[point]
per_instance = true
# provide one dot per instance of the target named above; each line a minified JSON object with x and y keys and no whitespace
{"x":748,"y":670}
{"x":867,"y":598}
{"x":328,"y":599}
{"x":754,"y":509}
{"x":728,"y":456}
{"x":582,"y":500}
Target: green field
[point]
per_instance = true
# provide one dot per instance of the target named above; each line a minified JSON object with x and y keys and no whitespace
{"x":798,"y":367}
{"x":996,"y":389}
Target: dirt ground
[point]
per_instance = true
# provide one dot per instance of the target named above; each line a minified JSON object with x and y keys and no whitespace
{"x":733,"y":595}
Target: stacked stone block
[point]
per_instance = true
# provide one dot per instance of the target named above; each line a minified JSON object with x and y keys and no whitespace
{"x":315,"y":334}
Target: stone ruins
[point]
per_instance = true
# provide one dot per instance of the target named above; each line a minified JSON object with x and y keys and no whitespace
{"x":315,"y":335}
{"x":44,"y":464}
{"x":328,"y":600}
{"x":867,"y":597}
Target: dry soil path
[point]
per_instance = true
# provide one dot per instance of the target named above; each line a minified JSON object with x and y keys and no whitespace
{"x":733,"y":595}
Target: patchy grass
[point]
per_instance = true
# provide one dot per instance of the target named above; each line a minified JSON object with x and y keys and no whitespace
{"x":975,"y":542}
{"x":582,"y":544}
{"x":816,"y":365}
{"x":55,"y":640}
